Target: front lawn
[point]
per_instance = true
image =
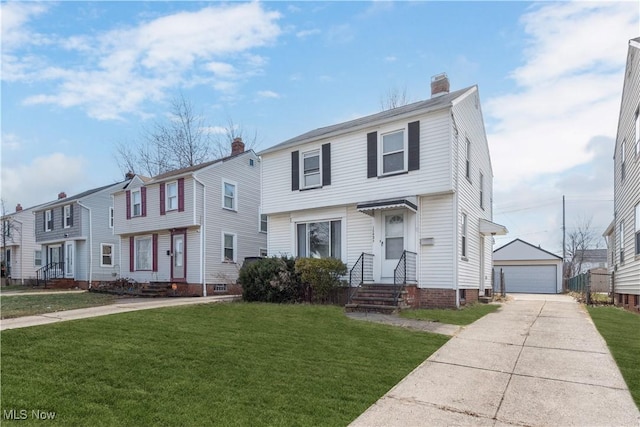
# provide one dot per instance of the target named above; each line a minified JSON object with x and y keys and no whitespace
{"x":621,"y":330}
{"x":225,"y":364}
{"x":452,"y":316}
{"x":29,"y":305}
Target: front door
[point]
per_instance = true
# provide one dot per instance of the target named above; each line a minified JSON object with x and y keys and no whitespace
{"x":179,"y":256}
{"x":54,"y":258}
{"x":394,"y":241}
{"x":7,"y":260}
{"x":68,"y":259}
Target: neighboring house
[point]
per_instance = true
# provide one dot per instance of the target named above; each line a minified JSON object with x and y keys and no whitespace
{"x":592,"y":258}
{"x":76,"y":234}
{"x":194,"y":226}
{"x":527,"y":269}
{"x":21,"y":255}
{"x":404,"y":195}
{"x":623,"y":235}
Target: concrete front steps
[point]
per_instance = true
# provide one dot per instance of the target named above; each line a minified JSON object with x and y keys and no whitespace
{"x":377,"y":298}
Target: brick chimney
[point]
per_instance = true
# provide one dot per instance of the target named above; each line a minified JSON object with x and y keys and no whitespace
{"x":439,"y":85}
{"x":62,"y":195}
{"x":129,"y":175}
{"x":237,"y":146}
{"x":18,"y":207}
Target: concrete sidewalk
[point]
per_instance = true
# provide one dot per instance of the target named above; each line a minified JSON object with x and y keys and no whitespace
{"x":538,"y":361}
{"x":120,"y":307}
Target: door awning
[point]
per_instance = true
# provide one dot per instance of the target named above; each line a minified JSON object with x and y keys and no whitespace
{"x":370,"y":207}
{"x":489,"y":228}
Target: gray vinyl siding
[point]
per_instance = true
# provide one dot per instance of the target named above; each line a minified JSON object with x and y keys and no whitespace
{"x":23,"y":245}
{"x":627,"y":190}
{"x":58,"y":232}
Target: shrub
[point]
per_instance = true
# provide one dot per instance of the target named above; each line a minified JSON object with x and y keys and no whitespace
{"x":270,"y":280}
{"x":322,"y":274}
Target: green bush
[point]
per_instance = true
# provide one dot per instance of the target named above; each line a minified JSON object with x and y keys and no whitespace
{"x":270,"y":280}
{"x":322,"y":274}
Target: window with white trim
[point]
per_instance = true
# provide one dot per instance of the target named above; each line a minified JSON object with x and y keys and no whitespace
{"x":171,"y":202}
{"x":464,"y":236}
{"x":6,"y":228}
{"x":637,"y":239}
{"x":638,"y":131}
{"x":319,"y":239}
{"x":263,"y":252}
{"x":229,"y":196}
{"x":481,"y":190}
{"x":311,"y":173}
{"x":136,"y":203}
{"x":393,"y":152}
{"x":621,"y":229}
{"x":143,"y":253}
{"x":48,"y":220}
{"x":106,"y":255}
{"x":67,"y":216}
{"x":229,"y":243}
{"x":37,"y":257}
{"x":263,"y":223}
{"x":110,"y":216}
{"x":468,"y":160}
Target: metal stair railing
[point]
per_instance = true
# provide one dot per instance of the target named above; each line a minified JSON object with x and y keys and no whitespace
{"x":362,"y":271}
{"x":53,"y":270}
{"x":405,"y":272}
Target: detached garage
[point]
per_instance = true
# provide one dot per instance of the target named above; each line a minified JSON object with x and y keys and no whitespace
{"x":527,"y":269}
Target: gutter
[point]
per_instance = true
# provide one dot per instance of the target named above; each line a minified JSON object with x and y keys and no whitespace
{"x":203,"y":229}
{"x":21,"y":251}
{"x":90,"y":242}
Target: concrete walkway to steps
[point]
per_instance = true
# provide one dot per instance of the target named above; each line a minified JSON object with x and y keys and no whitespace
{"x":122,"y":306}
{"x":538,"y":361}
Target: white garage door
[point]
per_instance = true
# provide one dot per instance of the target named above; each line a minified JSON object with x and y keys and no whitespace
{"x":531,"y":279}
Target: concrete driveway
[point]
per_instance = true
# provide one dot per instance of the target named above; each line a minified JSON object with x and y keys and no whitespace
{"x":538,"y":361}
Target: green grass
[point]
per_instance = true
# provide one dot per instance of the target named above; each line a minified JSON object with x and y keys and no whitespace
{"x":463,"y":316}
{"x":224,"y":364}
{"x":29,"y":305}
{"x":621,"y":330}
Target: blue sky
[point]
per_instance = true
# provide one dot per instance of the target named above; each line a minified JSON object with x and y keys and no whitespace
{"x":80,"y":77}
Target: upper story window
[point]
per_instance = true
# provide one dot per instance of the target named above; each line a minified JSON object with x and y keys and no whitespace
{"x":110,"y":216}
{"x":6,"y":228}
{"x":68,"y":216}
{"x":464,"y":241}
{"x":263,"y":223}
{"x":311,"y":176}
{"x":638,"y":131}
{"x":468,"y":160}
{"x":172,"y":196}
{"x":623,"y":159}
{"x":393,"y":152}
{"x":48,"y":220}
{"x":481,"y":190}
{"x":136,"y":203}
{"x":637,"y":239}
{"x":621,"y":229}
{"x":229,"y":196}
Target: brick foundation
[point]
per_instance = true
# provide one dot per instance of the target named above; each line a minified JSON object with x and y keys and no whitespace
{"x":470,"y":296}
{"x":416,"y":297}
{"x":190,"y":289}
{"x":629,"y":302}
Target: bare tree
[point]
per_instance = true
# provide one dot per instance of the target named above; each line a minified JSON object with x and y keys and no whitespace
{"x":583,"y":237}
{"x":395,"y":97}
{"x":231,"y":131}
{"x":9,"y":230}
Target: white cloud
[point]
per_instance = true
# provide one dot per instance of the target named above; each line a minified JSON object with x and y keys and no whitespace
{"x":130,"y":66}
{"x":10,"y":141}
{"x":306,"y":33}
{"x":268,"y":94}
{"x":14,"y":17}
{"x":41,"y":180}
{"x":214,"y":130}
{"x":545,"y":127}
{"x":390,"y":58}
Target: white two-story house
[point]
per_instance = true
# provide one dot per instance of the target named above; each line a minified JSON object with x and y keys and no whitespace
{"x":402,"y":197}
{"x":76,"y":235}
{"x":21,"y":255}
{"x":623,"y":234}
{"x":192,"y":228}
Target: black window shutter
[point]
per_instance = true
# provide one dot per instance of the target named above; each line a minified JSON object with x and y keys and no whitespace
{"x":414,"y":146}
{"x":71,"y":216}
{"x":326,"y":164}
{"x":372,"y":154}
{"x":62,"y":217}
{"x":44,"y":217}
{"x":295,"y":171}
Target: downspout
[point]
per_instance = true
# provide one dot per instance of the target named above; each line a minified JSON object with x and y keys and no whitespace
{"x":21,"y":251}
{"x":90,"y":243}
{"x":203,"y":229}
{"x":455,"y":211}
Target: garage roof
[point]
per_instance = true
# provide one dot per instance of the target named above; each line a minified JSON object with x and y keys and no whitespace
{"x":519,"y":250}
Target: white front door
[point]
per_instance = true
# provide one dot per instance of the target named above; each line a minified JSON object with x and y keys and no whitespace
{"x":394,"y":243}
{"x":177,"y":249}
{"x":68,"y":259}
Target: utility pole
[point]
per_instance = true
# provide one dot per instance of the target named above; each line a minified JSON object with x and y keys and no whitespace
{"x":564,"y":248}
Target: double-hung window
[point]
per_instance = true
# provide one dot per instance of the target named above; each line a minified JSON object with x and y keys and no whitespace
{"x":37,"y":257}
{"x":464,"y":236}
{"x":637,"y":239}
{"x":481,"y":191}
{"x":263,"y":223}
{"x":172,"y":196}
{"x":468,"y":160}
{"x":106,"y":255}
{"x":319,"y":239}
{"x":229,"y":242}
{"x":48,"y":220}
{"x":67,"y":216}
{"x":136,"y":203}
{"x":623,"y":148}
{"x":393,"y":152}
{"x":621,"y":229}
{"x":110,"y":216}
{"x":143,"y":253}
{"x":229,"y":196}
{"x":638,"y":131}
{"x":311,"y":169}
